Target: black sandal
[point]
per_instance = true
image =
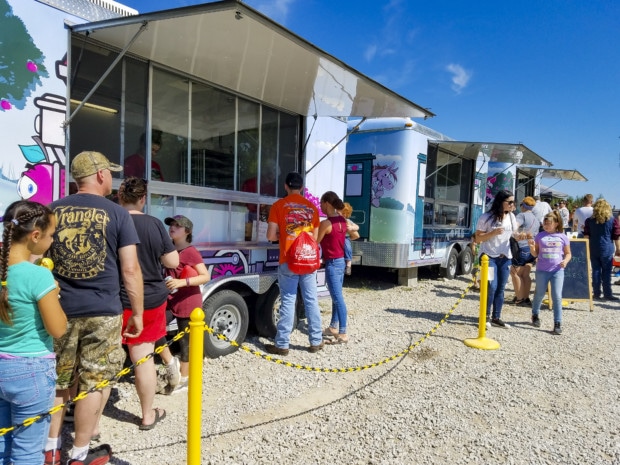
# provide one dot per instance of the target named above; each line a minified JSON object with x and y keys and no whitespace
{"x":158,"y":418}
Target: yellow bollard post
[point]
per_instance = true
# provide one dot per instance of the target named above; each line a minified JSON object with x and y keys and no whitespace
{"x":194,"y":395}
{"x":482,"y":342}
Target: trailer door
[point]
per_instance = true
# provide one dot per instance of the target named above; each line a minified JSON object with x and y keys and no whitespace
{"x":357,"y":189}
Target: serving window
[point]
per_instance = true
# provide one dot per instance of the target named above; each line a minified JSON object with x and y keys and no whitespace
{"x":448,"y":188}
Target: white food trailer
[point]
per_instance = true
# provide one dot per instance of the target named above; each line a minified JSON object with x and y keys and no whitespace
{"x":417,"y":194}
{"x":232,"y":100}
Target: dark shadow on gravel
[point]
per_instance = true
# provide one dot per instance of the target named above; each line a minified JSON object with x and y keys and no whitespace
{"x":373,"y":277}
{"x":606,"y":305}
{"x":111,"y":411}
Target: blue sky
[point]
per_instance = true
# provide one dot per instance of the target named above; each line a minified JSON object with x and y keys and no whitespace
{"x":544,"y":73}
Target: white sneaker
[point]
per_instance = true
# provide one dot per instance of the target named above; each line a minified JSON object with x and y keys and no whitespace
{"x":488,"y":325}
{"x":173,"y":372}
{"x":181,"y":387}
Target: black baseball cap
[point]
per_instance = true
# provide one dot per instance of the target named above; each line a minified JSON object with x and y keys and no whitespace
{"x":294,"y":180}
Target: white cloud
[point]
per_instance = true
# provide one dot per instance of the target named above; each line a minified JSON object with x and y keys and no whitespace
{"x":370,"y":52}
{"x":460,"y":77}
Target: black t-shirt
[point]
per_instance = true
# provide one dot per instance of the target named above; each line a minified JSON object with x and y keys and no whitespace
{"x":91,"y":229}
{"x":154,"y":242}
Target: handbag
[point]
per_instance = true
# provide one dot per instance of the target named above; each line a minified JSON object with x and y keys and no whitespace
{"x":515,"y":250}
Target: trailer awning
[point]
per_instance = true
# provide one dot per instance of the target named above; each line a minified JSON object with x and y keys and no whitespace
{"x":494,"y":151}
{"x":553,"y":193}
{"x":231,"y":45}
{"x":554,"y":173}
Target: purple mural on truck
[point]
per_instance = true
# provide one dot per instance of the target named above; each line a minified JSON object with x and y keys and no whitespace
{"x":383,"y":180}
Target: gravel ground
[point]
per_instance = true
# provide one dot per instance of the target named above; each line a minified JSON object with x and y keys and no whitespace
{"x":539,"y":399}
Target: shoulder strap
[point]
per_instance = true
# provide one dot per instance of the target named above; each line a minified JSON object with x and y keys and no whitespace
{"x":489,"y":218}
{"x":513,"y":222}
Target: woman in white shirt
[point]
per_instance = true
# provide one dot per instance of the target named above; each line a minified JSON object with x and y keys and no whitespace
{"x":493,"y":232}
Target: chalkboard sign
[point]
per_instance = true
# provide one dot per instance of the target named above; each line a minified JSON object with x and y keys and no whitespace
{"x":577,"y":281}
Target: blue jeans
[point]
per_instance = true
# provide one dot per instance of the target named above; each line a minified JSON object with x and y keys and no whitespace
{"x":495,"y":291}
{"x":334,"y":275}
{"x":288,"y":282}
{"x":601,"y":274}
{"x":556,"y":279}
{"x":27,"y":388}
{"x":348,"y":250}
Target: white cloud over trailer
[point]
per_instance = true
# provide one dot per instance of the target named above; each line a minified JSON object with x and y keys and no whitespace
{"x":460,"y":77}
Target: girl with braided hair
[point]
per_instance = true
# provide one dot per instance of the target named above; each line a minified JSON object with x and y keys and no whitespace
{"x":30,"y":316}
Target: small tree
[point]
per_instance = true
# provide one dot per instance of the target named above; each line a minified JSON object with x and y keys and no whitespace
{"x":21,"y":62}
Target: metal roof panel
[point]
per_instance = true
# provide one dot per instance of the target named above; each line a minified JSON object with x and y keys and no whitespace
{"x":495,"y":151}
{"x":229,"y":44}
{"x":554,"y":173}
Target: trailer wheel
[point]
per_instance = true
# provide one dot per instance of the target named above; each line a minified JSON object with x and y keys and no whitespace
{"x":466,"y":261}
{"x":227,"y":313}
{"x":268,"y":312}
{"x":449,"y":272}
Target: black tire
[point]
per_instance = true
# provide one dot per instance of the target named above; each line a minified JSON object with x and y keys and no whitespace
{"x":267,"y":312}
{"x":449,"y":272}
{"x":466,"y":261}
{"x":227,"y":313}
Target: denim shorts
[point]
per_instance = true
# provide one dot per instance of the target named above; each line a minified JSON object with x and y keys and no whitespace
{"x":27,"y":389}
{"x":525,"y":257}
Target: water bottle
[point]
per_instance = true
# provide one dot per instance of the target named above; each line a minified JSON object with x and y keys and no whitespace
{"x":168,"y":278}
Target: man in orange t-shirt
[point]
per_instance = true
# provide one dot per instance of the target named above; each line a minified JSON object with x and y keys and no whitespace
{"x":288,"y":217}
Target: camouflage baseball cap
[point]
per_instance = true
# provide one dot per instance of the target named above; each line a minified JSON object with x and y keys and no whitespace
{"x":87,"y":163}
{"x":181,"y":220}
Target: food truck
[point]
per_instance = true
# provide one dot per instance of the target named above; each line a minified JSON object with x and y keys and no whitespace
{"x":525,"y":177}
{"x":417,"y":194}
{"x":215,"y":102}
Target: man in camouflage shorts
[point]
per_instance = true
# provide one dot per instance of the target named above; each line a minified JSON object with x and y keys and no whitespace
{"x":94,"y":248}
{"x":98,"y":362}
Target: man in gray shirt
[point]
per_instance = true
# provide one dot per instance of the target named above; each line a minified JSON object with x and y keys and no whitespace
{"x":582,"y":214}
{"x":540,"y":209}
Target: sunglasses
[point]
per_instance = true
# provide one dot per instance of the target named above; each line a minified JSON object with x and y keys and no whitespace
{"x":548,"y":220}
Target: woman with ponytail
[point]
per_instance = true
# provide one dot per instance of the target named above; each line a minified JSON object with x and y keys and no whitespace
{"x":332,"y":232}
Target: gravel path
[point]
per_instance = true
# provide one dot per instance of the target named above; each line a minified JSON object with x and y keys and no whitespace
{"x":539,"y":399}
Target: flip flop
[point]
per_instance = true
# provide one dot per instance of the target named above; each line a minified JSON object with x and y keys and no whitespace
{"x":158,"y":418}
{"x":328,"y":332}
{"x":336,"y":341}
